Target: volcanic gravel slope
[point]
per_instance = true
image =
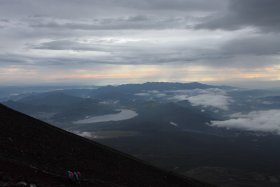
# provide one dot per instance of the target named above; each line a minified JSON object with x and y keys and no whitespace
{"x":39,"y":152}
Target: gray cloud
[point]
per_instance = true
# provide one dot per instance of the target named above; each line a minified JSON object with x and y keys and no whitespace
{"x":182,"y":5}
{"x":263,"y":15}
{"x":131,"y":52}
{"x":69,"y":45}
{"x":253,"y":45}
{"x":74,"y":8}
{"x":138,"y":22}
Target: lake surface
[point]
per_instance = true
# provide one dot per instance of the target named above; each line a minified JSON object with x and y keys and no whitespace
{"x":124,"y":114}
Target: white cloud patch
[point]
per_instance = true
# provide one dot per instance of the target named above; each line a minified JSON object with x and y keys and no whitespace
{"x":212,"y":97}
{"x":85,"y":134}
{"x":142,"y":94}
{"x":173,"y":124}
{"x":151,"y":93}
{"x":180,"y":97}
{"x":264,"y":121}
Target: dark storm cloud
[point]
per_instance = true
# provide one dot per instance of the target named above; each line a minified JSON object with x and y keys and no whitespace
{"x":262,"y":14}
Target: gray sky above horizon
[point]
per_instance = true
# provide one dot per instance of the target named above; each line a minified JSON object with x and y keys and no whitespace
{"x":123,"y":41}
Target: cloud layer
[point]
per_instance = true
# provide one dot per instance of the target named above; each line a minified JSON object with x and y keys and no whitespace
{"x":64,"y":36}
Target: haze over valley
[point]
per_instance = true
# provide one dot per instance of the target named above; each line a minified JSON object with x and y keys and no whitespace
{"x":172,"y":125}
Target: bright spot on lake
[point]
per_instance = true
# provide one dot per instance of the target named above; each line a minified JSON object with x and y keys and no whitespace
{"x":124,"y":114}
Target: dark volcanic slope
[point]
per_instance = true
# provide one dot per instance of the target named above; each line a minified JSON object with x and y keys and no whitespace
{"x":27,"y":143}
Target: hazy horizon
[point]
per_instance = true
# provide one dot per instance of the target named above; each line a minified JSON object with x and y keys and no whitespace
{"x":237,"y":84}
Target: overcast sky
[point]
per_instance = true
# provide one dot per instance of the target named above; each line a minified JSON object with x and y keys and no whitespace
{"x":122,"y":41}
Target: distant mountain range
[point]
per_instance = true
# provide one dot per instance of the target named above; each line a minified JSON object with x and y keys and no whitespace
{"x":160,"y":86}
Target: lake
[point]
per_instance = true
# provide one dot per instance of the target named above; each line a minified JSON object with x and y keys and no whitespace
{"x":124,"y":114}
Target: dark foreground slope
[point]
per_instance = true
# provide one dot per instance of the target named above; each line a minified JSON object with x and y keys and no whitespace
{"x":42,"y":153}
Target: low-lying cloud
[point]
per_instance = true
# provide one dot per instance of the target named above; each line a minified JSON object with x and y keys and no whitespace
{"x":263,"y":121}
{"x":213,"y":97}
